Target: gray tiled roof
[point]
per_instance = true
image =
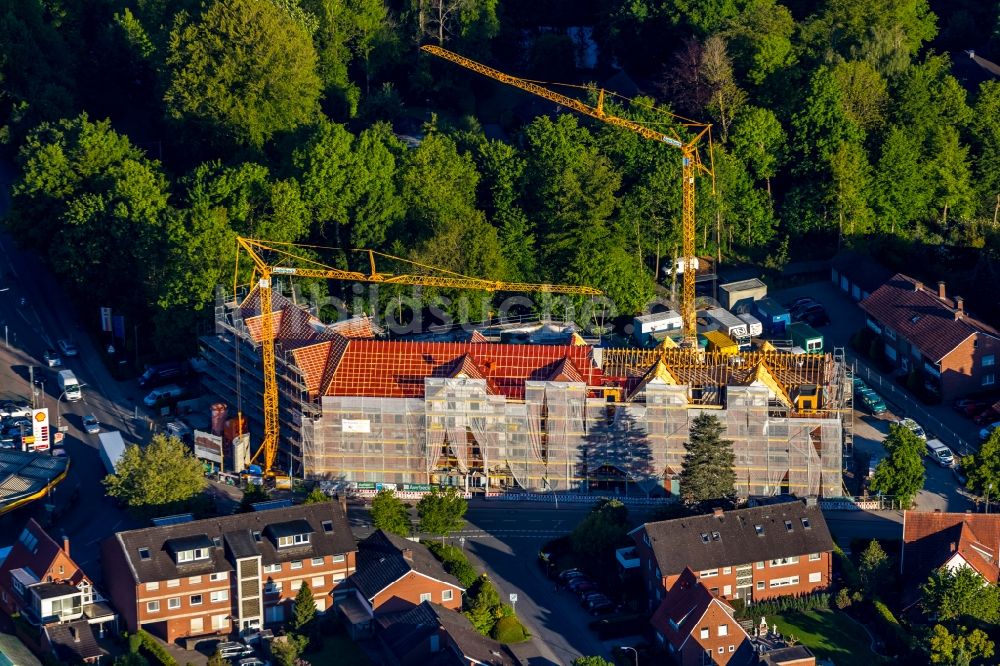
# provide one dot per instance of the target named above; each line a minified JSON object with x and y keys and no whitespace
{"x":74,"y":641}
{"x":239,"y":532}
{"x":733,"y":538}
{"x":381,"y":563}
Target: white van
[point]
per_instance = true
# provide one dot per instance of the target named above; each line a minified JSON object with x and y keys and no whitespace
{"x":163,"y":395}
{"x":941,"y":454}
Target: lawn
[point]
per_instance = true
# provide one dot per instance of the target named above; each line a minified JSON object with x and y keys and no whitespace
{"x":829,"y":634}
{"x":337,"y":649}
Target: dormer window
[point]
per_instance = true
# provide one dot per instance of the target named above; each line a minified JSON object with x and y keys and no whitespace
{"x":144,"y":554}
{"x":327,"y":526}
{"x":192,"y":555}
{"x":293,"y":540}
{"x":190,"y":549}
{"x":291,"y":533}
{"x":716,"y":536}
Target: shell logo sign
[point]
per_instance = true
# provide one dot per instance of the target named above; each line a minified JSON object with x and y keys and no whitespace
{"x":39,"y":439}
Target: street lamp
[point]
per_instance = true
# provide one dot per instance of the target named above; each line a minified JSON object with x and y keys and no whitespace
{"x":58,"y":412}
{"x":626,"y":647}
{"x":988,"y":489}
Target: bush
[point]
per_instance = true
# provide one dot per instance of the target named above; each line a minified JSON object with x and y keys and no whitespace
{"x":843,"y":598}
{"x":154,"y":651}
{"x":805,"y":602}
{"x":847,"y":568}
{"x":509,"y":630}
{"x":454,"y":561}
{"x":134,"y":643}
{"x":890,"y":628}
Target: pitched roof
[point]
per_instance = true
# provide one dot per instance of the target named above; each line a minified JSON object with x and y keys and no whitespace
{"x":919,"y":316}
{"x":73,"y":641}
{"x":680,"y":613}
{"x":930,"y":539}
{"x":40,"y":558}
{"x":381,"y":563}
{"x":237,"y":537}
{"x":792,"y":655}
{"x":401,"y":632}
{"x":730,"y":538}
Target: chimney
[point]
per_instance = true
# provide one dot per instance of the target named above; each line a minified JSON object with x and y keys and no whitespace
{"x":342,"y":500}
{"x":407,"y":554}
{"x":65,"y":545}
{"x":942,"y":294}
{"x":959,"y":307}
{"x":717,"y":512}
{"x":953,"y":548}
{"x":917,"y":285}
{"x":75,"y":633}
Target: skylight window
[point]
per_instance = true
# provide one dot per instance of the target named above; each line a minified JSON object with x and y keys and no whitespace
{"x":805,"y":523}
{"x":256,"y":536}
{"x":704,"y":537}
{"x":716,"y":536}
{"x":28,"y":540}
{"x":327,"y":525}
{"x":788,"y":525}
{"x":144,"y":553}
{"x":759,"y":529}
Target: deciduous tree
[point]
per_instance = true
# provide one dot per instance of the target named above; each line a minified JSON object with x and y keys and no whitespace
{"x":873,"y":567}
{"x":441,"y":513}
{"x":758,"y":139}
{"x":960,"y":648}
{"x":708,"y":470}
{"x":960,"y":594}
{"x":901,"y":474}
{"x":157,"y":478}
{"x":389,"y":514}
{"x":982,"y":469}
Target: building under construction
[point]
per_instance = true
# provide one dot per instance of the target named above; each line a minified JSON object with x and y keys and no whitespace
{"x":482,"y":413}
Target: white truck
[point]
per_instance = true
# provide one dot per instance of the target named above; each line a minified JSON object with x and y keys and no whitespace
{"x":112,"y":449}
{"x":69,"y":385}
{"x":940,"y":453}
{"x":754,"y":327}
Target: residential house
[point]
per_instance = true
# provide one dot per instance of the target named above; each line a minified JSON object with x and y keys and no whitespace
{"x":926,"y":330}
{"x":393,"y":575}
{"x":40,"y":581}
{"x":857,"y":275}
{"x":432,"y":635}
{"x":754,"y":554}
{"x":72,"y":643}
{"x":209,"y":577}
{"x":697,"y":627}
{"x":934,"y":540}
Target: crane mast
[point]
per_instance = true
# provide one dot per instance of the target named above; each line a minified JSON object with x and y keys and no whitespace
{"x":691,"y":163}
{"x":305,"y":267}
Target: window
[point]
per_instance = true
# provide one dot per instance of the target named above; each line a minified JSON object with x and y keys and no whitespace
{"x":194,"y":580}
{"x":447,"y":595}
{"x":722,"y":650}
{"x":216,"y":577}
{"x":784,"y":582}
{"x":704,"y":632}
{"x":327,"y":525}
{"x":784,"y":561}
{"x":317,"y":561}
{"x":220,"y":595}
{"x":989,"y":361}
{"x":727,"y":590}
{"x":197,"y":625}
{"x":217,"y":541}
{"x":317,"y":581}
{"x":759,"y":529}
{"x":152,"y":606}
{"x":174,"y":582}
{"x":805,"y":523}
{"x":426,"y":596}
{"x":727,"y":570}
{"x":704,"y":537}
{"x":272,"y":587}
{"x":889,"y":333}
{"x":337,"y":577}
{"x":256,"y":536}
{"x":196,"y":599}
{"x":294,"y":540}
{"x":732,"y":648}
{"x":716,"y":536}
{"x":814,"y":556}
{"x":192,"y":555}
{"x":144,"y":553}
{"x":989,"y":380}
{"x":296,"y":564}
{"x":708,"y":573}
{"x":296,"y":584}
{"x":338,"y":558}
{"x":28,"y":540}
{"x":152,"y":586}
{"x":272,"y":568}
{"x":723,"y":629}
{"x":816,"y":577}
{"x":174,"y":603}
{"x":220,"y":622}
{"x":760,"y":585}
{"x":788,"y":525}
{"x":760,"y":565}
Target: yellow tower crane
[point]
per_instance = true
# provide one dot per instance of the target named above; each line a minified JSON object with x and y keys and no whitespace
{"x":296,"y":265}
{"x":690,"y":162}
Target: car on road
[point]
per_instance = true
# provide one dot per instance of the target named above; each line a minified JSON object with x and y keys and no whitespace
{"x":67,"y":348}
{"x":913,"y":427}
{"x":52,"y":358}
{"x":91,"y":425}
{"x":968,"y":407}
{"x":985,"y":433}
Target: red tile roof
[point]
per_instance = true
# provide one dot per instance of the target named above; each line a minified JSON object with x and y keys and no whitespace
{"x":40,"y":559}
{"x":684,"y":605}
{"x":931,"y":539}
{"x":919,"y":316}
{"x":563,"y":371}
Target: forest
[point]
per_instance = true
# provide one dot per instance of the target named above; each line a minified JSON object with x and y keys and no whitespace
{"x":145,"y":135}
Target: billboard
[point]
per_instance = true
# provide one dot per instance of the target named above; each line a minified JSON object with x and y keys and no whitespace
{"x":356,"y":425}
{"x":39,"y":439}
{"x":208,"y":446}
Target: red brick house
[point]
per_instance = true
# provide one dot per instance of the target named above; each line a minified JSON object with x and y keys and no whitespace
{"x":754,"y":554}
{"x":394,"y":575}
{"x":697,"y":627}
{"x":930,"y":332}
{"x":240,"y":572}
{"x":935,"y":540}
{"x":40,"y":580}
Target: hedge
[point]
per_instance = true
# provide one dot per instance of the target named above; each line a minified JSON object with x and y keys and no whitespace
{"x":805,"y":602}
{"x":509,"y":630}
{"x":154,"y":650}
{"x":847,"y":568}
{"x":897,"y":636}
{"x":454,"y":561}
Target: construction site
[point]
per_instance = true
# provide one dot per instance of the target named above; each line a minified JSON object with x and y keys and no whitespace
{"x":357,"y":407}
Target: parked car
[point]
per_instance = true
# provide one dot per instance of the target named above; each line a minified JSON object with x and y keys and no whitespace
{"x":801,"y":301}
{"x":570,"y":573}
{"x":985,"y":433}
{"x":602,"y":608}
{"x":581,"y":584}
{"x":810,"y":309}
{"x":587,"y":598}
{"x":163,"y":396}
{"x":11,"y":409}
{"x":968,"y":407}
{"x":816,"y":319}
{"x":872,"y":401}
{"x":91,"y":425}
{"x":164,"y":373}
{"x":52,"y":358}
{"x":913,"y":427}
{"x":986,"y":417}
{"x":67,"y":348}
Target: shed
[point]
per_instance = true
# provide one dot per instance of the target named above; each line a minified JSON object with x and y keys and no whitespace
{"x":807,"y":337}
{"x":739,"y":295}
{"x":644,"y":326}
{"x":772,"y":315}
